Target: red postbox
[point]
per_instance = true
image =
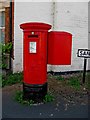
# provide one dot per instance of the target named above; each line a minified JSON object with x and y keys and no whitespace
{"x":35,"y":59}
{"x":59,"y":48}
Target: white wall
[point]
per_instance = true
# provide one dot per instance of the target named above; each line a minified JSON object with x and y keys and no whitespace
{"x":89,"y":32}
{"x":28,"y":12}
{"x":72,"y":17}
{"x":68,"y":16}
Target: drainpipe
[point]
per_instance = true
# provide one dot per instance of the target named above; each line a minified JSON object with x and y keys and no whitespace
{"x":10,"y":32}
{"x":53,"y":26}
{"x":53,"y":13}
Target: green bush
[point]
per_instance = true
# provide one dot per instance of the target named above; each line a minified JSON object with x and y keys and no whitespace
{"x":11,"y":79}
{"x":6,"y":48}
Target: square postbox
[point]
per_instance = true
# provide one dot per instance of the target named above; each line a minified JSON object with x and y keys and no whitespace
{"x":59,"y":48}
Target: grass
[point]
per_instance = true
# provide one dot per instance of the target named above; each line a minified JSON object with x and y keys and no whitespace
{"x":74,"y":82}
{"x":87,"y":83}
{"x":56,"y":77}
{"x":19,"y":98}
{"x":0,"y":80}
{"x":59,"y":78}
{"x":11,"y":79}
{"x":48,"y":98}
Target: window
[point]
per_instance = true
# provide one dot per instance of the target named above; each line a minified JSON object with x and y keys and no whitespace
{"x":2,"y":26}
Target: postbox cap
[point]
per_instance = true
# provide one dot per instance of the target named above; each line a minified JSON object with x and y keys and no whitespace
{"x":35,"y":26}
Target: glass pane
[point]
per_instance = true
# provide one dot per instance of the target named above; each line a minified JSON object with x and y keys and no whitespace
{"x":2,"y":24}
{"x":2,"y":35}
{"x":2,"y":19}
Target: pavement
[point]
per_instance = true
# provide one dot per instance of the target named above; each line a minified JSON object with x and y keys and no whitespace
{"x":60,"y":109}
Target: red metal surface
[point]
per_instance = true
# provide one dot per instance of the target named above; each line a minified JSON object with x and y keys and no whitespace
{"x":35,"y":64}
{"x":35,"y":26}
{"x":59,"y":48}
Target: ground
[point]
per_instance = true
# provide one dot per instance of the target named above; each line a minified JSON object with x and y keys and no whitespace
{"x":71,"y":94}
{"x":70,"y":99}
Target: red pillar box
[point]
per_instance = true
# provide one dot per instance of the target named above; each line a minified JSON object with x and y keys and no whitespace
{"x":59,"y":48}
{"x":35,"y":59}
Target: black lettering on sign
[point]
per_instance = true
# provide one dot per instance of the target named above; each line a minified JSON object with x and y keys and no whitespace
{"x":89,"y":53}
{"x":81,"y":52}
{"x":84,"y":53}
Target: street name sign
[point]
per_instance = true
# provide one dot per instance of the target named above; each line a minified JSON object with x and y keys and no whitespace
{"x":84,"y":53}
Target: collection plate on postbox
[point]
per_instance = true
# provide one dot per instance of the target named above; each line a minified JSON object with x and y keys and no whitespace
{"x":33,"y":44}
{"x":32,"y":47}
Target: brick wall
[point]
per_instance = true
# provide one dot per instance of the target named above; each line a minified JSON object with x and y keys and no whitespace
{"x":13,"y":29}
{"x":7,"y":24}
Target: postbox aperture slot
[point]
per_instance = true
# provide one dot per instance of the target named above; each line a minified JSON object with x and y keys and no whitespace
{"x":32,"y":47}
{"x":32,"y":36}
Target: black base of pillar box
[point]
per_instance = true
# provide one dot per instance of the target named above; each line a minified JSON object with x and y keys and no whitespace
{"x":34,"y":92}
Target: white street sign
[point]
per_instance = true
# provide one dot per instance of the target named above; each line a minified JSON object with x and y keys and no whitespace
{"x":84,"y":53}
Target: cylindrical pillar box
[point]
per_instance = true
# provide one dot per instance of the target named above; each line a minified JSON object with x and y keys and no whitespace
{"x":35,"y":59}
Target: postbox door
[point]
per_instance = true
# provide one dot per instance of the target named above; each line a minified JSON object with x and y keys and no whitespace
{"x":34,"y":60}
